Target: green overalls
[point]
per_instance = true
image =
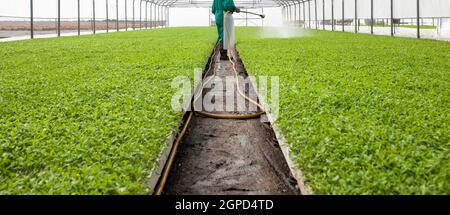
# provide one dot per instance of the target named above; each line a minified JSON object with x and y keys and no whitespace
{"x":218,"y":8}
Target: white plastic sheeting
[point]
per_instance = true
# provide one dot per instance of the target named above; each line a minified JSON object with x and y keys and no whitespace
{"x":364,"y":9}
{"x":381,"y":9}
{"x":406,"y":8}
{"x":328,"y":7}
{"x":349,"y":7}
{"x":435,"y":8}
{"x":402,"y":8}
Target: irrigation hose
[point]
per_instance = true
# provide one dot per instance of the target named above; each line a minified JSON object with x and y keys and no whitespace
{"x":233,"y":116}
{"x":169,"y":163}
{"x":236,"y":74}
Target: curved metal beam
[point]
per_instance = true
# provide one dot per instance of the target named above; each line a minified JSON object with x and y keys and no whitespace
{"x":166,"y":9}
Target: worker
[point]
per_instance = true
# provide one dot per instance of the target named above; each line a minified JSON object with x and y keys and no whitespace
{"x":219,"y":7}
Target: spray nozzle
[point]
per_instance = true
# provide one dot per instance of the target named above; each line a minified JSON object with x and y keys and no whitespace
{"x":260,"y":15}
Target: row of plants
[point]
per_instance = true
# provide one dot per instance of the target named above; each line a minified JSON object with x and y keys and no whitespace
{"x":90,"y":114}
{"x":363,"y":114}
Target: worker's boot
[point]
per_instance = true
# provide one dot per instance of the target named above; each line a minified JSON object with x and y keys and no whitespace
{"x":223,"y":54}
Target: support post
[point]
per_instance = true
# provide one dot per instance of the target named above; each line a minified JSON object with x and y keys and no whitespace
{"x":126,"y":18}
{"x":371,"y":17}
{"x":343,"y":16}
{"x":323,"y":14}
{"x":332,"y":15}
{"x":140,"y":15}
{"x":150,"y":14}
{"x":418,"y":19}
{"x":289,"y":13}
{"x":309,"y":14}
{"x":93,"y":14}
{"x":79,"y":17}
{"x":295,"y":13}
{"x":262,"y":20}
{"x":59,"y":18}
{"x":154,"y":15}
{"x":315,"y":14}
{"x":356,"y":16}
{"x":392,"y":18}
{"x":286,"y":19}
{"x":107,"y":17}
{"x":299,"y":12}
{"x":134,"y":20}
{"x":304,"y":14}
{"x":286,"y":12}
{"x":146,"y":11}
{"x":287,"y":8}
{"x":31,"y":20}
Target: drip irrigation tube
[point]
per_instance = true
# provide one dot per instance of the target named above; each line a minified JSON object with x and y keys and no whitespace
{"x":169,"y":163}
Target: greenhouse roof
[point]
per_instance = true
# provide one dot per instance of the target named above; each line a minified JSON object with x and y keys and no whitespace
{"x":241,"y":3}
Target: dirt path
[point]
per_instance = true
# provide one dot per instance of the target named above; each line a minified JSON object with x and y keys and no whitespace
{"x":228,"y":156}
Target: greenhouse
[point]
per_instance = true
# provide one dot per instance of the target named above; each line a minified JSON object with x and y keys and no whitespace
{"x":223,"y":97}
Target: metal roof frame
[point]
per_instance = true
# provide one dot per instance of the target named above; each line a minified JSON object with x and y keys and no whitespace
{"x":249,"y":4}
